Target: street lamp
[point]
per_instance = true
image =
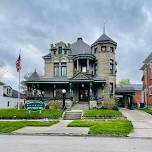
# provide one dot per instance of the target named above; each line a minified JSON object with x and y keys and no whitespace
{"x":63,"y":93}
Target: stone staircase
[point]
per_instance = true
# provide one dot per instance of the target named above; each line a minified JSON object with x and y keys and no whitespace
{"x":80,"y":106}
{"x":72,"y":115}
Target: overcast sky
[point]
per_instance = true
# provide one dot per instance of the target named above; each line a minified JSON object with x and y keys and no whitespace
{"x":33,"y":25}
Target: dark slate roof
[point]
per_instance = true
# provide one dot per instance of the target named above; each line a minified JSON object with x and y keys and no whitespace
{"x":80,"y":47}
{"x":1,"y":83}
{"x":146,"y":61}
{"x":104,"y":39}
{"x":47,"y":55}
{"x":34,"y":76}
{"x":129,"y":88}
{"x":14,"y":93}
{"x":55,"y":79}
{"x":148,"y":58}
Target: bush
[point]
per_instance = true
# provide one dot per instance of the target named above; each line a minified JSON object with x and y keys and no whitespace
{"x":108,"y":103}
{"x":55,"y":105}
{"x":47,"y":107}
{"x":115,"y":108}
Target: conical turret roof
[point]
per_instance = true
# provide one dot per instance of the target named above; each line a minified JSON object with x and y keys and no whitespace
{"x":104,"y":39}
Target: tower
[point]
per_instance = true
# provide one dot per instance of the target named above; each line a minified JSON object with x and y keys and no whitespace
{"x":104,"y":48}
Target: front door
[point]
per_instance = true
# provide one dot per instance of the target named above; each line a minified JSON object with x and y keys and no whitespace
{"x":84,"y":92}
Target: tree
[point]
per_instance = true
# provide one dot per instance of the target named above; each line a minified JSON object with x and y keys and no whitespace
{"x":124,"y":82}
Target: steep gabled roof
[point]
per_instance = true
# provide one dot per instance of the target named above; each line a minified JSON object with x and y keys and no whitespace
{"x":34,"y":77}
{"x":104,"y":39}
{"x":80,"y":47}
{"x":47,"y":55}
{"x":1,"y":83}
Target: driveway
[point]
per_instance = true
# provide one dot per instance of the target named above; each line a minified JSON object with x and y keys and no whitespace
{"x":141,"y":121}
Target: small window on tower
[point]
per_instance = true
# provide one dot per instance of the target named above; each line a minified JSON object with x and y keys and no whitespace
{"x":111,"y":49}
{"x":95,"y":50}
{"x":54,"y":52}
{"x":65,"y":52}
{"x":103,"y":48}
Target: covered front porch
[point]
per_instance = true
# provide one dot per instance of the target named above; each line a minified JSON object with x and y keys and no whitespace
{"x":77,"y":90}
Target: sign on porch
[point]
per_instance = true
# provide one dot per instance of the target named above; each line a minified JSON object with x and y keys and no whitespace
{"x":34,"y":105}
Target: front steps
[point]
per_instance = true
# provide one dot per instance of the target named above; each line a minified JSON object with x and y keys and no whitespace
{"x":72,"y":115}
{"x":80,"y":106}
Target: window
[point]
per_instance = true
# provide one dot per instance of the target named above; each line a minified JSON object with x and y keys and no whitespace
{"x":65,"y":51}
{"x":150,"y":91}
{"x":63,"y":69}
{"x":95,"y":68}
{"x":56,"y":69}
{"x":111,"y":88}
{"x":95,"y":50}
{"x":111,"y":66}
{"x":103,"y":48}
{"x":54,"y":52}
{"x":60,"y":50}
{"x":151,"y":70}
{"x":60,"y":69}
{"x":111,"y":49}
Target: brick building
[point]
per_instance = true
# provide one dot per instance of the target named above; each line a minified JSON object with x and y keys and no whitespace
{"x":147,"y":80}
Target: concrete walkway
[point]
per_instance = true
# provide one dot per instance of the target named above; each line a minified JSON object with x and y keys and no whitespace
{"x":141,"y":121}
{"x":57,"y":129}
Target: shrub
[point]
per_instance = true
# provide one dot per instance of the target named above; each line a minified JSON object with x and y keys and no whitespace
{"x":108,"y":102}
{"x":47,"y":107}
{"x":55,"y":105}
{"x":115,"y":108}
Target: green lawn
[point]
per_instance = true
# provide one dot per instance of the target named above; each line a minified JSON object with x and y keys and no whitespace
{"x":148,"y":111}
{"x":9,"y":126}
{"x":112,"y":127}
{"x":23,"y":113}
{"x":102,"y":113}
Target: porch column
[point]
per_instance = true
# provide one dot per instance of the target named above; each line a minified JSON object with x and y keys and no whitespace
{"x":90,"y":89}
{"x":71,"y":91}
{"x":87,"y":65}
{"x":59,"y":69}
{"x":54,"y":91}
{"x":77,"y":65}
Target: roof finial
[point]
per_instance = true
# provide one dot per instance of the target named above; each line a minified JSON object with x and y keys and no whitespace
{"x":104,"y":28}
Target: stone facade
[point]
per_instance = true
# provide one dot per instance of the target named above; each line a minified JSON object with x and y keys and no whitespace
{"x":86,"y":72}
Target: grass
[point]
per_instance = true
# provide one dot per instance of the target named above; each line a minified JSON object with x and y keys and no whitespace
{"x":147,"y":110}
{"x":112,"y":127}
{"x":23,"y":113}
{"x":9,"y":126}
{"x":102,"y":113}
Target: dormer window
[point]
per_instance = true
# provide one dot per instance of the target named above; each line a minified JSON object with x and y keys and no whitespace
{"x":103,"y":48}
{"x":60,"y":50}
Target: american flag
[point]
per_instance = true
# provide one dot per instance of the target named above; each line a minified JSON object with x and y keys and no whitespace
{"x":18,"y":63}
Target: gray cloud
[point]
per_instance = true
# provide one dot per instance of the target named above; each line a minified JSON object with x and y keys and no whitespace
{"x":33,"y":25}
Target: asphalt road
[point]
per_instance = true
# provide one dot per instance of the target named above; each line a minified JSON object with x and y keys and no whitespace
{"x":17,"y":143}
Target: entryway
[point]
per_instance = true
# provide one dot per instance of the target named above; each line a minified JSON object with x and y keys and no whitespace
{"x":83,"y":92}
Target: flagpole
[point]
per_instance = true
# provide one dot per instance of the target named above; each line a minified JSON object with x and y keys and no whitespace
{"x":18,"y":105}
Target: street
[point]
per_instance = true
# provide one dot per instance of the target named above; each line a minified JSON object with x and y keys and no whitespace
{"x":17,"y":143}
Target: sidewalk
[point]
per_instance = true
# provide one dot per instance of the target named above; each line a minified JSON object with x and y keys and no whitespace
{"x":57,"y":129}
{"x":141,"y":121}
